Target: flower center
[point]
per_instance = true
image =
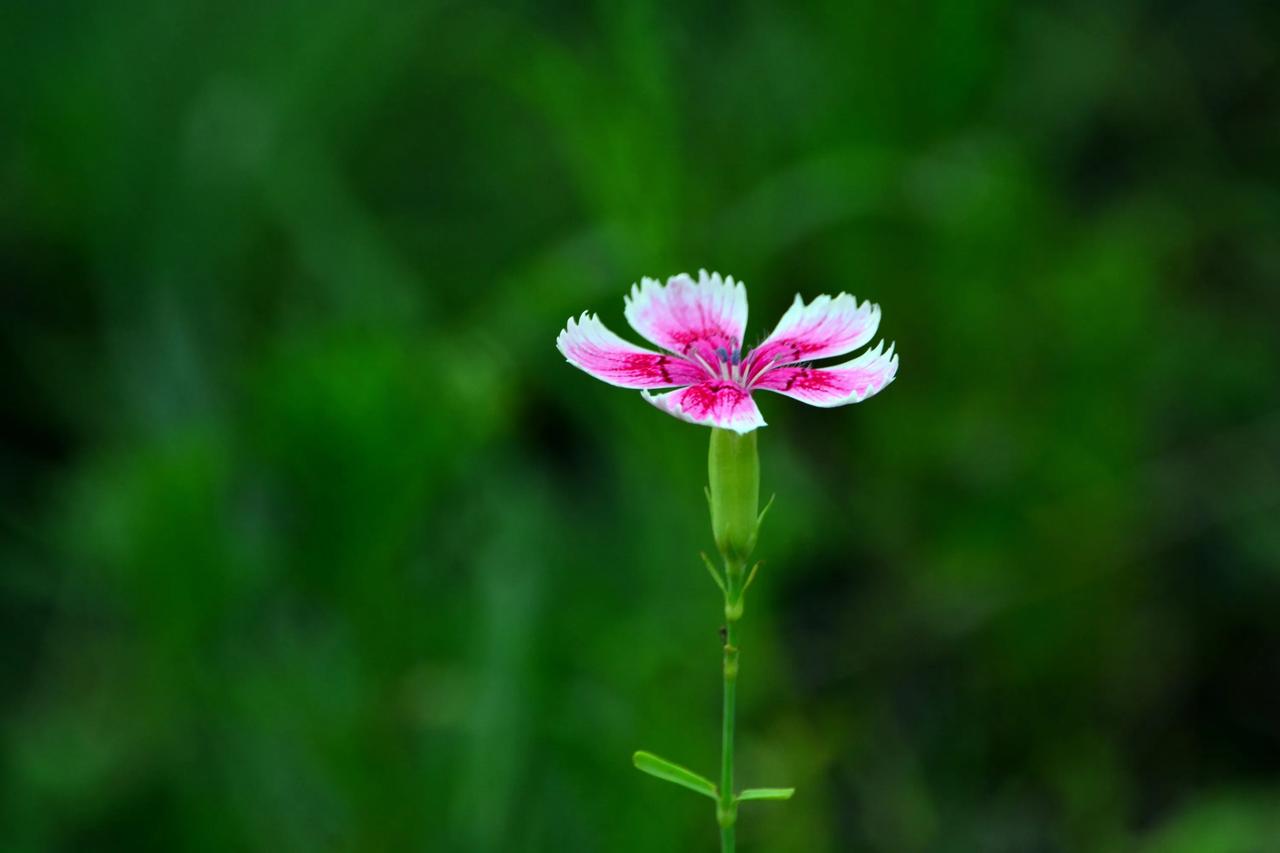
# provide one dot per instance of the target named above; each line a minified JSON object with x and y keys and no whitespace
{"x":729,"y":365}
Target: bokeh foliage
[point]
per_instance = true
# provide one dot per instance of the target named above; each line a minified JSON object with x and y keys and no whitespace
{"x":311,"y":541}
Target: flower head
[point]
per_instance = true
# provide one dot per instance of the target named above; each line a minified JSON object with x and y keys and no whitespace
{"x":700,"y":325}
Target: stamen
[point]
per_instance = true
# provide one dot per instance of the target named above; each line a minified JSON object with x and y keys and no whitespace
{"x":698,"y":357}
{"x":755,"y":374}
{"x":722,"y":362}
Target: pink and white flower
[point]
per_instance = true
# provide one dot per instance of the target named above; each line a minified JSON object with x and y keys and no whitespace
{"x":700,"y":325}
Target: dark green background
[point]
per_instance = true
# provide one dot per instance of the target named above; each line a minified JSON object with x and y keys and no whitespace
{"x":310,"y":540}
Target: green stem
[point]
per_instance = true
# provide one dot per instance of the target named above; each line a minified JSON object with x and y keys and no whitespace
{"x":733,"y":471}
{"x":727,"y":809}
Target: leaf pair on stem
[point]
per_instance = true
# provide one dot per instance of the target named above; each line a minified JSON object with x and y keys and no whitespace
{"x":670,"y":772}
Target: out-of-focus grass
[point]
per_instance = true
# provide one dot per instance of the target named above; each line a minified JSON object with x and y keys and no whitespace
{"x":311,"y":541}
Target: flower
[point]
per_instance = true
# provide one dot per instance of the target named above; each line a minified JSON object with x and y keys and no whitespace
{"x":700,"y":324}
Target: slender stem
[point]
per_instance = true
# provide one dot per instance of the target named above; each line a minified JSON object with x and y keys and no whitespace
{"x":733,"y":491}
{"x":727,"y":808}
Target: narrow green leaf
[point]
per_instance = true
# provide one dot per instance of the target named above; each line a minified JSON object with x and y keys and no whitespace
{"x":663,"y":769}
{"x":766,"y":794}
{"x":765,"y":511}
{"x":715,"y":576}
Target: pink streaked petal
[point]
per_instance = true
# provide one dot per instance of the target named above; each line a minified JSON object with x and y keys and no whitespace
{"x":716,"y":404}
{"x":690,"y":317}
{"x":839,"y":385}
{"x":825,"y":327}
{"x":588,"y":345}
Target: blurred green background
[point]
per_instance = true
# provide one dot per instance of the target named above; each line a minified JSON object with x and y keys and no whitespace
{"x":310,"y":540}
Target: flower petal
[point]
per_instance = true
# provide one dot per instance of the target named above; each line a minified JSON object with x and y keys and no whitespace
{"x":588,"y":345}
{"x":718,"y":404}
{"x":690,"y":317}
{"x":823,"y":328}
{"x":839,"y":385}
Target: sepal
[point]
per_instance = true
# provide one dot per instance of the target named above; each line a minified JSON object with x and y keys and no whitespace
{"x":733,"y":473}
